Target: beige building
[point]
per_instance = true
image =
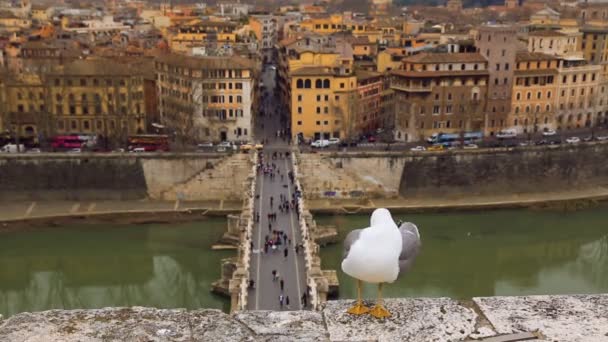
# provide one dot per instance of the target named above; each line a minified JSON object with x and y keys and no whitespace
{"x":581,"y":101}
{"x":207,"y":98}
{"x":556,"y":43}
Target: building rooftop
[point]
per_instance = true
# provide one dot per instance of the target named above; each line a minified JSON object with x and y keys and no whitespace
{"x":524,"y":56}
{"x":546,"y":33}
{"x":426,"y":57}
{"x":101,"y":67}
{"x":194,"y":62}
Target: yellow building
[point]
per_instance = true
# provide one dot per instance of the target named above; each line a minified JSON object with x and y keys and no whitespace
{"x":23,"y":104}
{"x":322,"y":103}
{"x":535,"y":89}
{"x":334,"y":23}
{"x":202,"y":32}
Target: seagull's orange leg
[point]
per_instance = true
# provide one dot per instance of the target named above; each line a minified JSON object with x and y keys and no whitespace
{"x":359,"y":308}
{"x":379,"y":311}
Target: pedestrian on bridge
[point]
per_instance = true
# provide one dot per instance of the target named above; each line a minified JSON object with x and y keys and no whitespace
{"x":281,"y":300}
{"x":304,"y":300}
{"x":282,"y":284}
{"x":286,"y":251}
{"x":287,"y":302}
{"x":274,"y":275}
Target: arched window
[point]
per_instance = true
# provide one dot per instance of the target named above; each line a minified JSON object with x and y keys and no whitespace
{"x":546,"y":120}
{"x":537,"y":108}
{"x":326,"y":84}
{"x":307,"y":84}
{"x":71,"y":97}
{"x":538,"y":95}
{"x":547,"y":107}
{"x":299,"y":83}
{"x":529,"y":95}
{"x":518,"y":96}
{"x":515,"y":122}
{"x":318,"y":84}
{"x":517,"y":110}
{"x":527,"y":109}
{"x":526,"y":122}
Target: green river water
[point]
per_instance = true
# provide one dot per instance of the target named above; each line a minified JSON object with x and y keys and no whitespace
{"x":170,"y":266}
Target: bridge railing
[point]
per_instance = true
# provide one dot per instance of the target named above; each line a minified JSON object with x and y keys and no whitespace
{"x":247,"y":236}
{"x":307,"y":240}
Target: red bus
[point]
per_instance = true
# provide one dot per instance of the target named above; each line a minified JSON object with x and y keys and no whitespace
{"x":67,"y":141}
{"x":149,"y":142}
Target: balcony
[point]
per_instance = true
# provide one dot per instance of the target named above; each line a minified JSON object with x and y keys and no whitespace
{"x":413,"y":87}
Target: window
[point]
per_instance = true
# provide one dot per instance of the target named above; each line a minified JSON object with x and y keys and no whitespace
{"x":299,"y":83}
{"x":74,"y":124}
{"x":72,"y":110}
{"x":341,"y":85}
{"x":299,"y":110}
{"x":497,"y":67}
{"x":448,"y":109}
{"x":299,"y":123}
{"x":539,"y":95}
{"x":326,"y":84}
{"x":318,"y":84}
{"x":435,"y":109}
{"x":529,"y":95}
{"x":326,"y":110}
{"x":318,"y":110}
{"x":307,"y":84}
{"x":299,"y":98}
{"x":518,"y":96}
{"x":85,"y":125}
{"x":548,"y":94}
{"x":506,"y":66}
{"x":318,"y":98}
{"x":337,"y":97}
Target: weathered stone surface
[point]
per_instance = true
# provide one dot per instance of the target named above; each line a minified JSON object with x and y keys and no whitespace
{"x":416,"y":319}
{"x":123,"y":324}
{"x":285,"y":325}
{"x":557,"y":318}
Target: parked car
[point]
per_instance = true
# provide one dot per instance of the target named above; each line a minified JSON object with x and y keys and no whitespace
{"x":573,"y":140}
{"x":542,"y":142}
{"x":225,"y":144}
{"x":78,"y":150}
{"x":436,"y":148}
{"x":334,"y":141}
{"x":549,"y":133}
{"x":246,"y":147}
{"x":470,"y":146}
{"x":418,"y":149}
{"x":507,"y":134}
{"x":138,"y":150}
{"x":33,"y":150}
{"x":320,"y":143}
{"x":588,"y":138}
{"x":602,"y":138}
{"x":206,"y":144}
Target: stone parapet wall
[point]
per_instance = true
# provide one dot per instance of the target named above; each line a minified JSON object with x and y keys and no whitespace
{"x":118,"y":176}
{"x":369,"y":175}
{"x":577,"y":318}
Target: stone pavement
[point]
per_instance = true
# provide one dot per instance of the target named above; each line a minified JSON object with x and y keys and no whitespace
{"x":291,"y":268}
{"x":40,"y":209}
{"x":457,"y":202}
{"x":577,"y":318}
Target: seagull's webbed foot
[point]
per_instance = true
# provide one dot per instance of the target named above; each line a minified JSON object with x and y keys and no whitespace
{"x":358,"y":309}
{"x":379,"y":311}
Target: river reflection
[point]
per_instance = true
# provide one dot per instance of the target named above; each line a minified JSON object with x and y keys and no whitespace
{"x":98,"y":266}
{"x":519,"y":252}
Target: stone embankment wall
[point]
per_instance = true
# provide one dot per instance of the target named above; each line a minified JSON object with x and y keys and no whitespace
{"x":407,"y":174}
{"x":122,"y":176}
{"x":578,"y":318}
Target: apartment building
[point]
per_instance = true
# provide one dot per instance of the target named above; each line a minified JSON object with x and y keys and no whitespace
{"x":97,"y":97}
{"x":438,"y":92}
{"x":581,"y":101}
{"x":265,"y":29}
{"x":207,"y":98}
{"x":535,"y":91}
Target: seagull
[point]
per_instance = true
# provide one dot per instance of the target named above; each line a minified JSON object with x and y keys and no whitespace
{"x":379,"y":254}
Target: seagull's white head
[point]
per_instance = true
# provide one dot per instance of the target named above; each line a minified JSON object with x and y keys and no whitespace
{"x":381,"y":216}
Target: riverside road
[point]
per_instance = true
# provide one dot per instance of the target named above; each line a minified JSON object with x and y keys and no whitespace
{"x":288,"y":265}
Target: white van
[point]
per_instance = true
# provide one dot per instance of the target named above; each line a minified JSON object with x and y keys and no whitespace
{"x":12,"y":148}
{"x":507,"y":134}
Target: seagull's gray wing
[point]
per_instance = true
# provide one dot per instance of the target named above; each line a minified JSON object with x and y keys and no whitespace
{"x":350,"y":239}
{"x":410,"y":247}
